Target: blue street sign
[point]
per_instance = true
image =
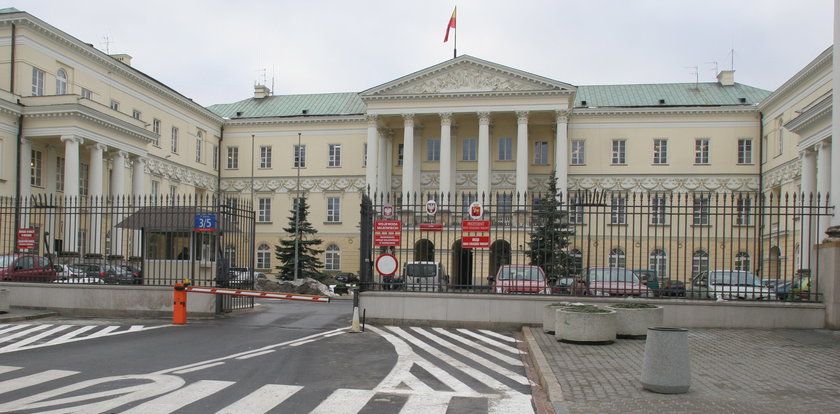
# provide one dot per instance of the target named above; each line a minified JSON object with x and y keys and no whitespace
{"x":205,"y":222}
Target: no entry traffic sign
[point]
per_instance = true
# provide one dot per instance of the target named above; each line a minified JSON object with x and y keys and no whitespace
{"x":386,"y":264}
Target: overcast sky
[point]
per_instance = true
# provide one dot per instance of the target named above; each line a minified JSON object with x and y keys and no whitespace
{"x":213,"y":51}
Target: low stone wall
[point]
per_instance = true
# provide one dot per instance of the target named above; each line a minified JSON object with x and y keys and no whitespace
{"x":514,"y":311}
{"x":105,"y":300}
{"x":4,"y":300}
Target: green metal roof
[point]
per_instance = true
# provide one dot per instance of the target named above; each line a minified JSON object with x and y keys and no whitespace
{"x":324,"y":104}
{"x":673,"y":94}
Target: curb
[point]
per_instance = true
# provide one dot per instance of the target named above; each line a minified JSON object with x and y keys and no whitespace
{"x":547,"y":378}
{"x":17,"y":316}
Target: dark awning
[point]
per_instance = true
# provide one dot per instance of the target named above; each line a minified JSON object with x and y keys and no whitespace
{"x":176,"y":219}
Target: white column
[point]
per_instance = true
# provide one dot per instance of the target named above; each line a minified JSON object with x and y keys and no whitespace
{"x":50,"y":168}
{"x":71,"y":191}
{"x":823,"y":181}
{"x":808,"y":179}
{"x":96,"y":173}
{"x":561,"y":152}
{"x":521,"y":155}
{"x":835,"y":118}
{"x":118,"y":194}
{"x":408,"y":177}
{"x":51,"y":164}
{"x":808,"y":188}
{"x":138,"y":189}
{"x":25,"y":177}
{"x":446,"y":156}
{"x":372,"y":155}
{"x":384,"y":171}
{"x":483,"y":173}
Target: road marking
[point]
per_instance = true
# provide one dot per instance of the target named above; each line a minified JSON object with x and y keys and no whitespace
{"x":13,"y":328}
{"x":518,"y":404}
{"x":426,"y":404}
{"x":262,"y":400}
{"x":489,"y":341}
{"x":198,"y":368}
{"x":31,"y":330}
{"x":504,"y":358}
{"x":35,"y":338}
{"x":103,"y":332}
{"x":249,"y":356}
{"x":498,"y":335}
{"x":5,"y":369}
{"x":70,"y":335}
{"x":180,"y":398}
{"x":344,"y":401}
{"x":34,"y":379}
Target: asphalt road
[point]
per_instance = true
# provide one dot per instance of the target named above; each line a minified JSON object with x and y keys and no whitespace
{"x":289,"y":357}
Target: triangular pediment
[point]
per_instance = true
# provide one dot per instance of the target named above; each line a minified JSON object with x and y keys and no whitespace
{"x":467,"y":75}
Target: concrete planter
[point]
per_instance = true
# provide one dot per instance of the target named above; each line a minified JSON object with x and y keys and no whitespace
{"x":549,"y":312}
{"x":585,"y":327}
{"x":667,"y":366}
{"x":634,"y":322}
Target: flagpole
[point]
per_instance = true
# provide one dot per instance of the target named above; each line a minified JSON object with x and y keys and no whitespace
{"x":455,"y":43}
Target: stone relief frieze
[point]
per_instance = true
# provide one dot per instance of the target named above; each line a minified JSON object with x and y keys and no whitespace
{"x":667,"y":184}
{"x":465,"y":79}
{"x":290,"y":185}
{"x":783,"y":174}
{"x":177,"y":173}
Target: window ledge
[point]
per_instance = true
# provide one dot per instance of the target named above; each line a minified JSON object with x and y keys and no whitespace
{"x":265,"y":222}
{"x":332,"y":222}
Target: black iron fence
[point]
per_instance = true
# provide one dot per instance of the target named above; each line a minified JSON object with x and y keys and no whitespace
{"x":688,"y":245}
{"x":128,"y":240}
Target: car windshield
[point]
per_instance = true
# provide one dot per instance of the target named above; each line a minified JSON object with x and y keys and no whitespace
{"x":6,"y":261}
{"x":421,"y":269}
{"x":521,"y":273}
{"x":612,"y":275}
{"x":733,"y":278}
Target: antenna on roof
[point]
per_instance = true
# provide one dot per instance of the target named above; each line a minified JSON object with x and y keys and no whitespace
{"x":732,"y":56}
{"x":696,"y":73}
{"x":272,"y":79}
{"x":106,"y":43}
{"x":714,"y":62}
{"x":261,"y":72}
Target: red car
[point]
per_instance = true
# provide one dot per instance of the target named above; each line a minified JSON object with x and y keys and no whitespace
{"x":615,"y":281}
{"x":26,"y":268}
{"x":521,"y":279}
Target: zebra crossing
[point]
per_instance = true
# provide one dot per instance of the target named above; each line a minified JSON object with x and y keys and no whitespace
{"x":18,"y":337}
{"x":436,"y":370}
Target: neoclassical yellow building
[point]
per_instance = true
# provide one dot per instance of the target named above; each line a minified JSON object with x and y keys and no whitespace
{"x":75,"y":121}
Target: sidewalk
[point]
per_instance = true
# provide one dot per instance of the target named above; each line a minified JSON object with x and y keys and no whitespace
{"x":16,"y":314}
{"x":733,"y":371}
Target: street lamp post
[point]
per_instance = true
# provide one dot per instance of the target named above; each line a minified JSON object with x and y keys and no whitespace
{"x":297,"y":207}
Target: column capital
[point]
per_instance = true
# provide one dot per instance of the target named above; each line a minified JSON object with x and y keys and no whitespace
{"x":72,"y":138}
{"x":522,"y":117}
{"x":408,"y":119}
{"x":562,"y":116}
{"x":445,"y":118}
{"x":822,"y":145}
{"x":371,"y":119}
{"x":100,"y":146}
{"x":385,"y":132}
{"x":484,"y":118}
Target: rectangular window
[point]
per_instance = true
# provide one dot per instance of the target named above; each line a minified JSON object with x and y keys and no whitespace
{"x":265,"y":156}
{"x":35,"y":168}
{"x":364,"y":150}
{"x":541,"y":153}
{"x":215,"y":158}
{"x":701,"y":151}
{"x":618,"y":210}
{"x":657,"y":211}
{"x":743,"y":212}
{"x":232,"y":158}
{"x":115,"y":105}
{"x":334,"y":156}
{"x":174,"y":143}
{"x":780,"y":144}
{"x":86,"y":93}
{"x":37,"y":82}
{"x":506,"y":149}
{"x":578,"y":152}
{"x":264,"y":215}
{"x":764,"y":143}
{"x":701,"y":211}
{"x":575,"y":210}
{"x":136,"y":114}
{"x":155,"y":188}
{"x":59,"y":174}
{"x":745,"y":151}
{"x":619,"y":151}
{"x":660,"y":151}
{"x":199,"y":145}
{"x":173,"y":191}
{"x":333,"y":209}
{"x":468,"y":153}
{"x":400,"y":152}
{"x":156,"y":130}
{"x":433,"y":150}
{"x":84,"y":175}
{"x":300,"y":156}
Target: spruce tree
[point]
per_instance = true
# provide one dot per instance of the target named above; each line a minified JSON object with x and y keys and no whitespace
{"x":550,"y":234}
{"x":309,"y":264}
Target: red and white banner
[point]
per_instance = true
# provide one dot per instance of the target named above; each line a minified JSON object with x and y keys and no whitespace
{"x":387,"y":240}
{"x":475,"y":225}
{"x":475,"y":242}
{"x":394,"y":226}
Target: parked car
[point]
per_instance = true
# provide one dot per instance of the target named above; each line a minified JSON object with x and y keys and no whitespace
{"x":649,"y":279}
{"x":520,"y":279}
{"x":615,"y":281}
{"x":346,"y":278}
{"x":800,"y":289}
{"x":729,"y":284}
{"x":569,"y":285}
{"x":772,"y":283}
{"x":136,"y":273}
{"x":245,"y":279}
{"x":68,"y":271}
{"x":671,"y":287}
{"x":26,"y":268}
{"x":424,"y":276}
{"x":108,"y":273}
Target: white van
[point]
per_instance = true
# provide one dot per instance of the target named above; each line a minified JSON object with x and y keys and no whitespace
{"x":424,"y":277}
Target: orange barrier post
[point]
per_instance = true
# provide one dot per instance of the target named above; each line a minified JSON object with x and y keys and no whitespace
{"x":179,"y":307}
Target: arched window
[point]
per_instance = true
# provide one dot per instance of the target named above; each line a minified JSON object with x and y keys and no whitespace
{"x":230,"y":255}
{"x":60,"y":82}
{"x":332,"y":258}
{"x":264,"y":257}
{"x":617,"y":258}
{"x":699,"y":262}
{"x":742,"y":261}
{"x":659,"y":263}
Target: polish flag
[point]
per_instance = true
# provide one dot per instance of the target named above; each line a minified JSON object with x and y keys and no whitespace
{"x":451,"y":25}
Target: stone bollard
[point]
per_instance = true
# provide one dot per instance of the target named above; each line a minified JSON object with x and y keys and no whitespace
{"x":667,"y":365}
{"x":4,"y":300}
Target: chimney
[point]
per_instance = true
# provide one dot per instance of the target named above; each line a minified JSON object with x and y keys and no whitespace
{"x":122,"y":57}
{"x":726,"y":78}
{"x":261,"y":91}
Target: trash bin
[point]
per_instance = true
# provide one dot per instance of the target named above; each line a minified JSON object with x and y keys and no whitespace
{"x":667,"y":366}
